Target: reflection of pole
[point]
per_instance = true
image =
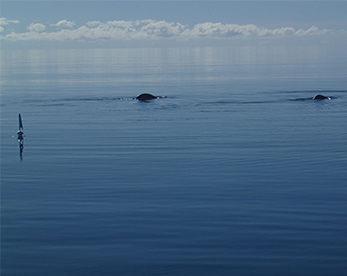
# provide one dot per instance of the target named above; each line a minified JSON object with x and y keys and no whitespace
{"x":21,"y":147}
{"x":20,"y":137}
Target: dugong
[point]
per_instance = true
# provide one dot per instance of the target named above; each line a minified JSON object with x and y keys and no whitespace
{"x":146,"y":97}
{"x":320,"y":97}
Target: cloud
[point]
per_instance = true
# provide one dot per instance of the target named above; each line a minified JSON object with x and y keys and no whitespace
{"x":162,"y":29}
{"x":64,"y":24}
{"x":4,"y":21}
{"x":36,"y":27}
{"x":311,"y":31}
{"x":148,"y":30}
{"x":93,"y":24}
{"x":219,"y":30}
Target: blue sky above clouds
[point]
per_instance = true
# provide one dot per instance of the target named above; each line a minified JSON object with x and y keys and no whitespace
{"x":28,"y":23}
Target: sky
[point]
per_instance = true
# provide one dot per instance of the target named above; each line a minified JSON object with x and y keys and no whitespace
{"x":27,"y":24}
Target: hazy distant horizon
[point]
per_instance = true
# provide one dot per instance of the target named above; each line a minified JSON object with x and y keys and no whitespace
{"x":95,"y":24}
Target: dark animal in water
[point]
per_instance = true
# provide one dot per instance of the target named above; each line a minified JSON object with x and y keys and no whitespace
{"x":146,"y":97}
{"x":320,"y":97}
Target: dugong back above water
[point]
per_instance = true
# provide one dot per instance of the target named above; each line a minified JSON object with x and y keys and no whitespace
{"x":146,"y":97}
{"x":320,"y":97}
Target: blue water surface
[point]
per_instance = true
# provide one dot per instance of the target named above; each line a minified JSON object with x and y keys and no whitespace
{"x":234,"y":170}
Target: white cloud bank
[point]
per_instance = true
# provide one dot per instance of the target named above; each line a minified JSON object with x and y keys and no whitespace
{"x":145,"y":30}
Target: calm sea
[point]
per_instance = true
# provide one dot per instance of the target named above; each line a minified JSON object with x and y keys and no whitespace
{"x":234,"y":170}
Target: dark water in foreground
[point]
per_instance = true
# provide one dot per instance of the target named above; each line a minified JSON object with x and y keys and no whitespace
{"x":235,"y":171}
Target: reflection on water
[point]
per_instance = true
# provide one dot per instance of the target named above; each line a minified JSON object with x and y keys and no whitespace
{"x":20,"y":137}
{"x":153,"y":65}
{"x":224,"y":175}
{"x":21,"y":148}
